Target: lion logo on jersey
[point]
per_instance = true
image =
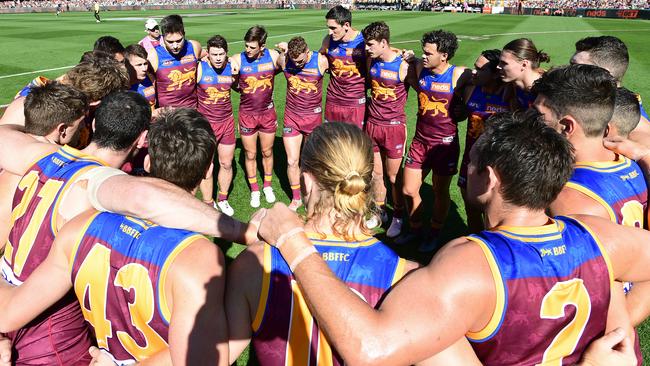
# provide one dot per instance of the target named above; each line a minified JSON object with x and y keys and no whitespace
{"x":340,"y":68}
{"x":297,"y":85}
{"x":380,"y":90}
{"x":476,"y":126}
{"x":254,"y":83}
{"x":433,"y":104}
{"x":179,"y":78}
{"x":215,"y":95}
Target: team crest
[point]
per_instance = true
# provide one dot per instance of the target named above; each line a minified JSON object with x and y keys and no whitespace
{"x":433,"y":104}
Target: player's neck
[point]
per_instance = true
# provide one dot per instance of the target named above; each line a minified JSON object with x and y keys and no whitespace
{"x":112,"y":158}
{"x":504,"y":214}
{"x":591,"y":149}
{"x":352,"y":34}
{"x":324,"y":223}
{"x":388,"y":55}
{"x":528,"y":80}
{"x":440,"y":69}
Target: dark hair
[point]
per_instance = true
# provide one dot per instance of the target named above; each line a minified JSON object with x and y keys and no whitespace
{"x":532,"y":160}
{"x":493,"y":58}
{"x":98,"y":76}
{"x":217,"y":42}
{"x":376,"y":31}
{"x":524,"y":49}
{"x":108,"y":44}
{"x":607,"y":52}
{"x":51,"y":104}
{"x":181,"y":147}
{"x":585,"y":92}
{"x":135,"y":50}
{"x":120,"y":118}
{"x":445,"y":41}
{"x":627,"y":112}
{"x":172,"y":24}
{"x":296,"y":47}
{"x":89,"y":56}
{"x":340,"y":14}
{"x":257,"y":34}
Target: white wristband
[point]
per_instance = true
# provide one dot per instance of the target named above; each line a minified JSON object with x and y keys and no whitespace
{"x":287,"y":235}
{"x":302,"y":255}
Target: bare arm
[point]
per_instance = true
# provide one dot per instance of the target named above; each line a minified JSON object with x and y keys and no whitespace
{"x":324,"y":45}
{"x":323,"y":64}
{"x":200,"y":53}
{"x":19,"y":151}
{"x":570,"y":201}
{"x":15,"y":113}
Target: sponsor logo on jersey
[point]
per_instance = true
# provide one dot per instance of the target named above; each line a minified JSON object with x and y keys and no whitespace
{"x":224,"y":79}
{"x":187,"y":59}
{"x":168,"y":63}
{"x":387,"y":74}
{"x":441,"y":87}
{"x":266,"y":67}
{"x":149,"y":91}
{"x":494,"y":108}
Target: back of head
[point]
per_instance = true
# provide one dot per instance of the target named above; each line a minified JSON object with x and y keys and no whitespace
{"x":108,"y":44}
{"x":627,"y":112}
{"x":217,"y":42}
{"x":340,"y":14}
{"x":172,"y":24}
{"x":446,"y":42}
{"x":493,"y":58}
{"x":376,"y":31}
{"x":607,"y":52}
{"x":89,"y":56}
{"x":257,"y":34}
{"x":585,"y":92}
{"x":532,"y":160}
{"x":135,"y":50}
{"x":181,"y":147}
{"x":98,"y":76}
{"x":120,"y":119}
{"x":339,"y":156}
{"x":524,"y":49}
{"x":54,"y":103}
{"x":296,"y":47}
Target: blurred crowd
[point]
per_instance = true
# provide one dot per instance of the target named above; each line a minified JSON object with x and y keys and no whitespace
{"x":589,"y":4}
{"x":87,"y":4}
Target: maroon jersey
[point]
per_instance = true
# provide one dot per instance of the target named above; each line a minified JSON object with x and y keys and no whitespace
{"x":435,"y":94}
{"x":119,"y":269}
{"x":347,"y":61}
{"x":388,"y":92}
{"x":256,"y":83}
{"x":213,"y":92}
{"x":552,"y":293}
{"x":304,"y":86}
{"x":176,"y":76}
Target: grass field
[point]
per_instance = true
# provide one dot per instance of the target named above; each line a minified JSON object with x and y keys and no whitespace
{"x":42,"y":44}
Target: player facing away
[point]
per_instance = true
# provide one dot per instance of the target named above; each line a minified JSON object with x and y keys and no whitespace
{"x":257,"y":67}
{"x":520,"y":65}
{"x":215,"y":78}
{"x":435,"y":147}
{"x":174,"y":61}
{"x":263,"y":300}
{"x":486,"y":96}
{"x":493,"y":287}
{"x":152,"y":39}
{"x":304,"y":70}
{"x":345,"y":51}
{"x":386,"y":119}
{"x":149,"y":292}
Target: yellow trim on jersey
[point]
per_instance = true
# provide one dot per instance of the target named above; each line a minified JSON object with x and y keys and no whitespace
{"x":264,"y":294}
{"x":621,"y":162}
{"x":603,"y":252}
{"x":593,"y":195}
{"x":154,"y":54}
{"x":399,"y":271}
{"x":164,"y":308}
{"x":547,"y":232}
{"x":62,"y":193}
{"x":500,"y":295}
{"x":77,"y":242}
{"x":199,"y":71}
{"x":330,"y":240}
{"x":142,"y":223}
{"x":73,"y":153}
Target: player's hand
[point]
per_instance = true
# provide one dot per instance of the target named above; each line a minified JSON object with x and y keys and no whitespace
{"x":5,"y":351}
{"x":614,"y":348}
{"x":408,"y":55}
{"x":282,"y":47}
{"x":632,"y":150}
{"x":277,"y":221}
{"x":251,"y":235}
{"x":100,"y":357}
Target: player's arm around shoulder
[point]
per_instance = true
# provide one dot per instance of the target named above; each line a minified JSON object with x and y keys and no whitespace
{"x":15,"y":113}
{"x":199,"y":52}
{"x":571,"y":201}
{"x":323,"y":63}
{"x":19,"y":151}
{"x":325,"y":45}
{"x":243,"y":290}
{"x":198,"y":333}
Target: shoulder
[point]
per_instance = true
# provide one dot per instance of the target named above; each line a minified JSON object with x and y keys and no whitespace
{"x":571,"y":200}
{"x":201,"y":260}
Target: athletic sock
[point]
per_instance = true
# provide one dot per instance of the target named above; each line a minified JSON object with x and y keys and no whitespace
{"x":267,"y":179}
{"x":295,"y":192}
{"x":222,"y":196}
{"x":253,"y":183}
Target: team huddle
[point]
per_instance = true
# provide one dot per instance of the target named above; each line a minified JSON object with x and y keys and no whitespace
{"x":107,"y":261}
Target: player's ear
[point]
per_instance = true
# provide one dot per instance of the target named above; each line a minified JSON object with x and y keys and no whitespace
{"x":568,"y":125}
{"x":610,"y":130}
{"x":142,"y":139}
{"x":493,"y":179}
{"x":208,"y":173}
{"x":147,"y":164}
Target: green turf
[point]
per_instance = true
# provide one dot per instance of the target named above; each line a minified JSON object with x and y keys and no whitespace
{"x":33,"y":42}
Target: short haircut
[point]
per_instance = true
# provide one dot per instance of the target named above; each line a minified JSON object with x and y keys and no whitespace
{"x":98,"y":76}
{"x":135,"y":50}
{"x":181,"y":147}
{"x":257,"y":34}
{"x":296,"y":47}
{"x":607,"y":52}
{"x":627,"y":111}
{"x":88,"y":56}
{"x":376,"y":31}
{"x":217,"y":42}
{"x":524,"y":49}
{"x":120,"y":119}
{"x":445,"y":41}
{"x":172,"y":24}
{"x":532,"y":160}
{"x":585,"y":92}
{"x":493,"y":58}
{"x":54,"y":103}
{"x":340,"y":14}
{"x":108,"y":44}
